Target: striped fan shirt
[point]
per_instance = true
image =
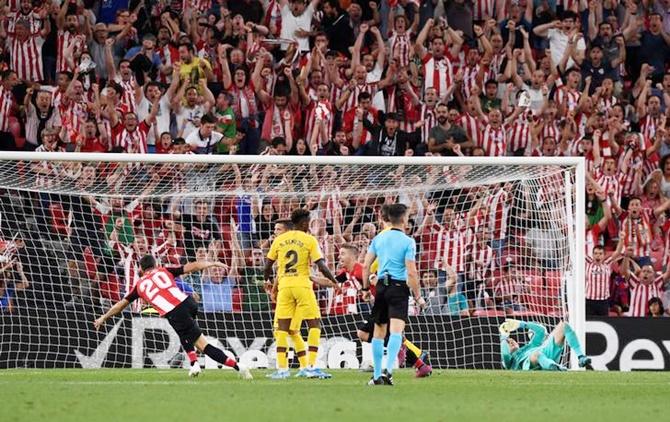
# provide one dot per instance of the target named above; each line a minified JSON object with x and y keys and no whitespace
{"x":519,"y":132}
{"x":493,"y":141}
{"x":568,"y":97}
{"x":352,"y":101}
{"x":598,"y":279}
{"x":480,"y":261}
{"x":638,"y":233}
{"x":64,"y":40}
{"x":640,"y":293}
{"x":451,"y":249}
{"x":401,"y":47}
{"x":483,"y":9}
{"x":131,"y":142}
{"x":438,"y":74}
{"x":470,"y":126}
{"x":27,"y":57}
{"x":6,"y":105}
{"x":498,"y":214}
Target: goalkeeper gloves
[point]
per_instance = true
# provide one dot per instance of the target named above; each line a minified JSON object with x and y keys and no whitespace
{"x":507,"y":327}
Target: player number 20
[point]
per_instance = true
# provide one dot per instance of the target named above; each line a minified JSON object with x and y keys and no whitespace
{"x":292,"y":257}
{"x":157,"y":281}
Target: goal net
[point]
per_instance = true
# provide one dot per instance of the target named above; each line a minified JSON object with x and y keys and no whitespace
{"x":494,"y":239}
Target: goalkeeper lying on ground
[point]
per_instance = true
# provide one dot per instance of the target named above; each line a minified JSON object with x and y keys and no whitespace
{"x":542,"y":352}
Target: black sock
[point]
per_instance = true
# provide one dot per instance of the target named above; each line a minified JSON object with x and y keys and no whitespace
{"x":218,"y":355}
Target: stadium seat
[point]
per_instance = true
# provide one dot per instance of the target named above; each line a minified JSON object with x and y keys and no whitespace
{"x":238,"y":299}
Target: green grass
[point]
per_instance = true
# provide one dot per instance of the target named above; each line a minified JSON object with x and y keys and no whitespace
{"x":169,"y":395}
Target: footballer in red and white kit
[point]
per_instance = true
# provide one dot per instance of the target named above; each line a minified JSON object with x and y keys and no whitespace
{"x":157,"y":287}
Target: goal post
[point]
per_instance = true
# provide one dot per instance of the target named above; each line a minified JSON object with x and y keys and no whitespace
{"x":496,"y":238}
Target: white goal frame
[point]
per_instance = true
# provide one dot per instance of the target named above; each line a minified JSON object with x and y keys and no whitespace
{"x":575,"y":284}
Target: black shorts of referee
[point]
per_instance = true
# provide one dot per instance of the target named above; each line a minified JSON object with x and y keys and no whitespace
{"x":182,"y":319}
{"x":391,"y":300}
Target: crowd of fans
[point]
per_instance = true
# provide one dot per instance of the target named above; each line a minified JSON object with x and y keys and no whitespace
{"x":345,"y":77}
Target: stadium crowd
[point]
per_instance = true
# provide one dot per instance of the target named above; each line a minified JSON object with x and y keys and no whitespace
{"x":343,"y":77}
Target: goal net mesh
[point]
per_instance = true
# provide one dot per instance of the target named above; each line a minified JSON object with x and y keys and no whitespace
{"x":492,"y":241}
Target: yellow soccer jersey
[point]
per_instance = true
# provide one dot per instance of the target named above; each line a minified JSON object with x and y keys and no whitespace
{"x":294,"y":252}
{"x":375,"y":264}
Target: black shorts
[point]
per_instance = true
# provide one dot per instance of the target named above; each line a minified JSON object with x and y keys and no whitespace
{"x":182,"y":319}
{"x":390,"y":302}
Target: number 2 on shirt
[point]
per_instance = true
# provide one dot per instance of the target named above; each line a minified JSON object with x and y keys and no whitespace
{"x":292,"y":257}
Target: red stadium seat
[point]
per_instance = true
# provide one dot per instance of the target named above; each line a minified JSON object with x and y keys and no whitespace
{"x":58,"y":219}
{"x":238,"y":299}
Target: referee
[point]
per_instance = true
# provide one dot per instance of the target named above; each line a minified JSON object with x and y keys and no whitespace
{"x":397,"y":274}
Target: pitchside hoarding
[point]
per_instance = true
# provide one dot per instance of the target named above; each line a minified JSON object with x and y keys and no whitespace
{"x":59,"y":340}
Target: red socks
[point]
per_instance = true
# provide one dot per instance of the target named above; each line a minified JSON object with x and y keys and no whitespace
{"x":192,"y":357}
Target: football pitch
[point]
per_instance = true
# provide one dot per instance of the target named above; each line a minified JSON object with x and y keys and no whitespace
{"x":169,"y":395}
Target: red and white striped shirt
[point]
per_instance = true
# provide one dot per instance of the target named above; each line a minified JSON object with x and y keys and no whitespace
{"x":480,"y":261}
{"x":346,"y":301}
{"x":64,"y":40}
{"x":498,"y":214}
{"x":470,"y":80}
{"x":128,"y":98}
{"x":451,"y":249}
{"x":131,"y":142}
{"x":519,"y":132}
{"x":641,"y":293}
{"x":493,"y":141}
{"x":470,"y":125}
{"x":568,"y":97}
{"x":323,"y":111}
{"x":401,"y":47}
{"x":273,"y":19}
{"x":158,"y":287}
{"x":73,"y":114}
{"x":438,"y":74}
{"x":550,"y":130}
{"x":610,"y":184}
{"x":483,"y":9}
{"x":507,"y":287}
{"x":27,"y":57}
{"x":429,"y":121}
{"x":598,"y":279}
{"x":638,"y":233}
{"x":6,"y":105}
{"x":32,"y":19}
{"x":352,"y":101}
{"x":648,"y":125}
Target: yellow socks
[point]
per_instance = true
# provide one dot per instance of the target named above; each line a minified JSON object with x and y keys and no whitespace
{"x":313,"y":343}
{"x":282,"y":347}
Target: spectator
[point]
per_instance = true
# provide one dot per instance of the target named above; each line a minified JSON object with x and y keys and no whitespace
{"x":200,"y":228}
{"x":644,"y":284}
{"x":12,"y":280}
{"x":655,"y":308}
{"x":456,"y":303}
{"x":217,"y":290}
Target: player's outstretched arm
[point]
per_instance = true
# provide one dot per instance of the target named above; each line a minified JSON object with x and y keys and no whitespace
{"x":114,"y":310}
{"x":539,"y":332}
{"x":369,"y":259}
{"x":321,"y":265}
{"x":201,"y":265}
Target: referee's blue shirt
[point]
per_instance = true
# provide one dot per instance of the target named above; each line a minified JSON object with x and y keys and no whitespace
{"x":392,"y":248}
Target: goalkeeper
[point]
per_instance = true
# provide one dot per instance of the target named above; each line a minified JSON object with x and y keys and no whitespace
{"x":542,"y":352}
